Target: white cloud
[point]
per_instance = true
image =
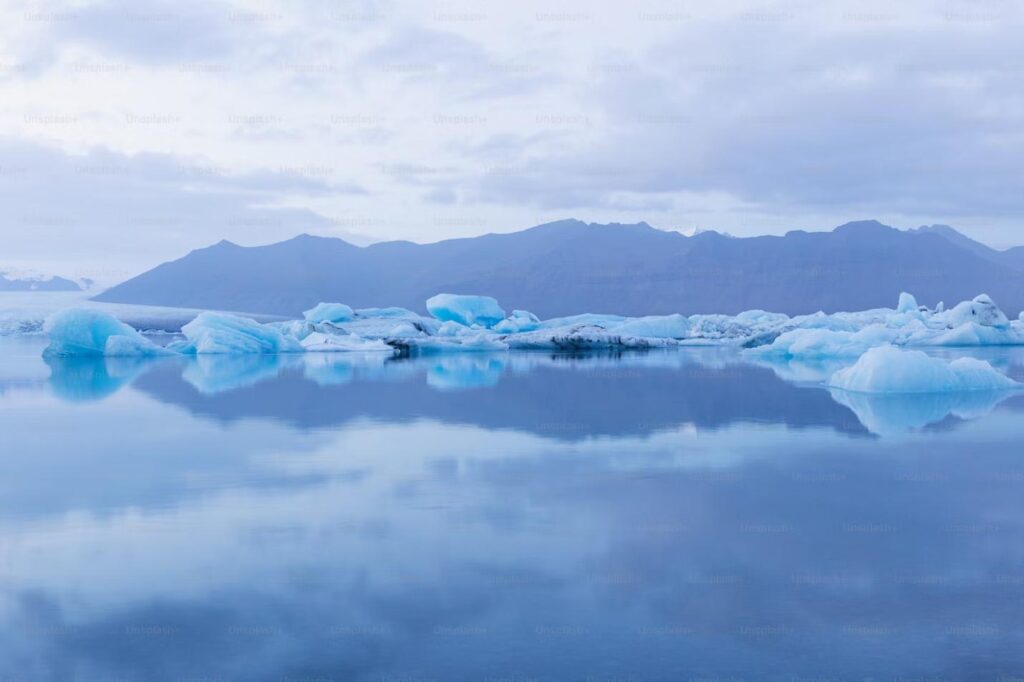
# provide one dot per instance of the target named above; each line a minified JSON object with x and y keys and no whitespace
{"x":404,"y":120}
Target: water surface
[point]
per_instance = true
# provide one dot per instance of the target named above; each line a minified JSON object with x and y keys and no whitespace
{"x":662,"y":516}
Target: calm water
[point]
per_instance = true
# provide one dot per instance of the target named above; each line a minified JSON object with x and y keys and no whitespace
{"x":667,"y":516}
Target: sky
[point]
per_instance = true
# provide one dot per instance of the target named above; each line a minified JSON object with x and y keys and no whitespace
{"x":133,"y":132}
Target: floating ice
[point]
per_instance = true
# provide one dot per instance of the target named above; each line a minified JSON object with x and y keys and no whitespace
{"x":343,"y":343}
{"x":887,"y":369}
{"x":77,"y":332}
{"x":580,"y":338}
{"x":329,"y":312}
{"x":907,"y":304}
{"x":980,"y":311}
{"x":518,"y":321}
{"x":224,"y":333}
{"x":467,"y":310}
{"x":471,"y":323}
{"x":826,"y":343}
{"x":655,"y":327}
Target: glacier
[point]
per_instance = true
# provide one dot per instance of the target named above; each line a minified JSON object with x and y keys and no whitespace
{"x":857,"y":341}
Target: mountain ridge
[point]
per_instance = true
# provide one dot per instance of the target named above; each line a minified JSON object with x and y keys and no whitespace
{"x":569,"y":266}
{"x":52,"y":283}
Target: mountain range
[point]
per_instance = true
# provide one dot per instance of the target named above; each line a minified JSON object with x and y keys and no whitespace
{"x":569,"y":266}
{"x":37,"y":284}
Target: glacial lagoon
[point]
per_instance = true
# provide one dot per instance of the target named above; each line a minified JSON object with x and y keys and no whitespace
{"x":667,"y":515}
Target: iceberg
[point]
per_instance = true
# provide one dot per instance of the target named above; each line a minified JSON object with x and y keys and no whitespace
{"x":826,"y":343}
{"x":907,"y":303}
{"x":329,"y":312}
{"x":79,"y":332}
{"x":887,"y":369}
{"x":655,"y":327}
{"x":465,"y":309}
{"x":580,"y":338}
{"x":226,"y":333}
{"x":320,"y":342}
{"x":461,"y":323}
{"x":981,"y":310}
{"x":518,"y":321}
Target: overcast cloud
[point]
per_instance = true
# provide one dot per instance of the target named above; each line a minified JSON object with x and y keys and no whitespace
{"x":133,"y":132}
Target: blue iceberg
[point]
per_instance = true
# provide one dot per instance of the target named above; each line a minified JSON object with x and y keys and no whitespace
{"x":225,"y":333}
{"x":329,"y":312}
{"x":887,"y":369}
{"x":79,"y":332}
{"x":465,"y":309}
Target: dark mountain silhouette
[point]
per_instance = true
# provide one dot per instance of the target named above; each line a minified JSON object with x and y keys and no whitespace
{"x":569,"y":267}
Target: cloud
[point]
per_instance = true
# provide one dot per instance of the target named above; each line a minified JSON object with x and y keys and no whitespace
{"x":732,"y":117}
{"x":90,"y":209}
{"x":789,"y":119}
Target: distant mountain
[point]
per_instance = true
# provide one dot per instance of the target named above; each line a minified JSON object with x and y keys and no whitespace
{"x":1013,"y":257}
{"x":569,"y":266}
{"x":37,"y":284}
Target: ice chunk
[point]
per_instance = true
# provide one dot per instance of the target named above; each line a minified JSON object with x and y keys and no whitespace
{"x":465,"y":309}
{"x":825,"y":343}
{"x":887,"y":369}
{"x":981,"y":311}
{"x":580,"y":338}
{"x":89,"y":332}
{"x":970,"y":334}
{"x":907,"y":304}
{"x":655,"y":327}
{"x":225,"y":333}
{"x":343,"y":343}
{"x":478,"y":342}
{"x":590,"y":319}
{"x":329,"y":312}
{"x":385,"y":312}
{"x":518,"y":321}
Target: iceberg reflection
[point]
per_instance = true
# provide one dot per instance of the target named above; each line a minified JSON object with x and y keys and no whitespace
{"x":897,"y":413}
{"x":88,"y":378}
{"x":640,"y":392}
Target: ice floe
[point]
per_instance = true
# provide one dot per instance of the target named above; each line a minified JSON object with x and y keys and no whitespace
{"x":224,"y":333}
{"x":78,"y":332}
{"x":467,"y":310}
{"x":329,"y":312}
{"x":810,"y":347}
{"x":887,"y":369}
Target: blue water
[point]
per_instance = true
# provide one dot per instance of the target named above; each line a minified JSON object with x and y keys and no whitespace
{"x":668,"y":516}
